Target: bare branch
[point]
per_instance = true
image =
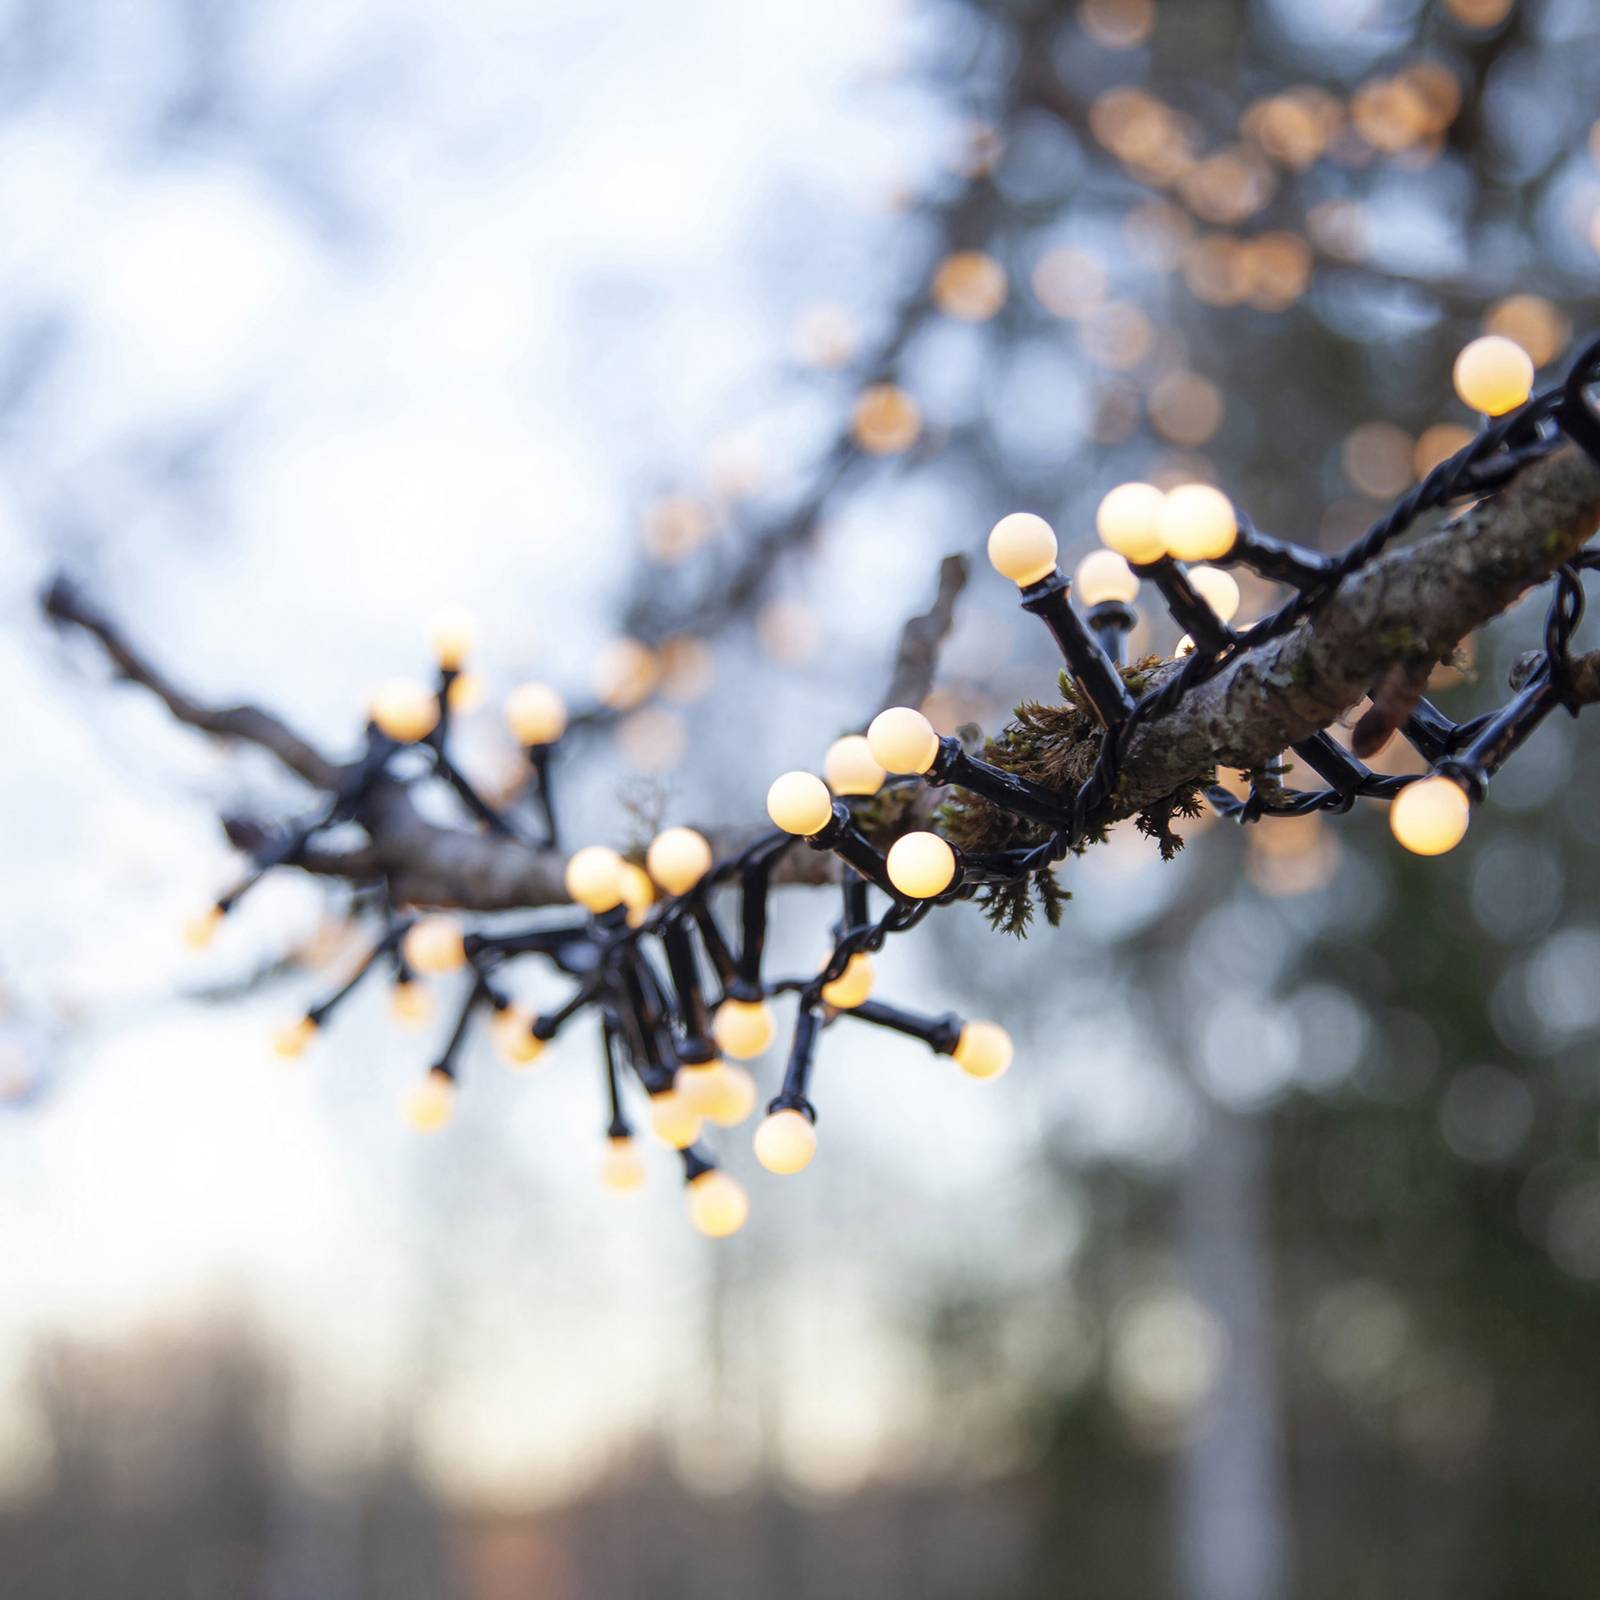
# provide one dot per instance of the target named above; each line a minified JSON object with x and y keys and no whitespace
{"x":65,"y":604}
{"x":917,"y":659}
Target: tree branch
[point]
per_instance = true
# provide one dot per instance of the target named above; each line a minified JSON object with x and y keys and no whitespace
{"x":1410,"y":607}
{"x":65,"y":605}
{"x":923,"y":637}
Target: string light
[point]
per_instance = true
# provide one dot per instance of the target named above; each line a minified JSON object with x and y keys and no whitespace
{"x":744,"y":1029}
{"x":852,"y":986}
{"x":622,"y":1165}
{"x":404,"y":710}
{"x":434,"y":945}
{"x":800,"y":804}
{"x":850,"y":767}
{"x":1129,"y":522}
{"x":594,"y":878}
{"x":291,"y":1041}
{"x":1493,"y":375}
{"x":1022,"y":547}
{"x":718,"y":1205}
{"x":661,"y":1037}
{"x":785,"y":1141}
{"x":1430,"y":816}
{"x":452,"y":633}
{"x":535,"y":714}
{"x":678,"y":858}
{"x":672,"y":1120}
{"x":1103,"y":576}
{"x":983,"y":1050}
{"x":431,"y":1105}
{"x":1218,"y":589}
{"x":1197,"y":523}
{"x":902,"y":740}
{"x":921,"y":865}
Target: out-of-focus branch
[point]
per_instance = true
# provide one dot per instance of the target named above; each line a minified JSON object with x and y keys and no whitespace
{"x":923,"y":637}
{"x":65,"y":604}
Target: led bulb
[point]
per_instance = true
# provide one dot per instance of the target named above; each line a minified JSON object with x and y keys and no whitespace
{"x":404,"y":709}
{"x":535,"y":714}
{"x":291,"y":1041}
{"x":743,"y":1028}
{"x":1129,"y":522}
{"x":511,"y":1029}
{"x":622,"y":1167}
{"x":594,"y":878}
{"x":1184,"y":647}
{"x":717,"y":1203}
{"x":452,"y":633}
{"x":1218,"y":589}
{"x":800,"y":803}
{"x":852,"y":986}
{"x":432,"y":1103}
{"x":1430,"y":816}
{"x":1022,"y":547}
{"x":1493,"y":375}
{"x":902,"y":740}
{"x":696,"y":1084}
{"x":851,"y":768}
{"x":410,"y":1004}
{"x":785,"y":1141}
{"x":672,"y":1120}
{"x":1104,"y":575}
{"x":199,"y":931}
{"x":726,"y":1094}
{"x":638,"y":893}
{"x":434,"y":945}
{"x":678,"y":858}
{"x":465,"y":693}
{"x":921,"y":865}
{"x":983,"y":1050}
{"x":1198,"y":523}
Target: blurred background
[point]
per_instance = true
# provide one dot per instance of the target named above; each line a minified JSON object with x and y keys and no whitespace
{"x":1273,"y":1266}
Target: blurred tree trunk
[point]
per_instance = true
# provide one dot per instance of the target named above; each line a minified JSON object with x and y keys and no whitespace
{"x":1232,"y":1533}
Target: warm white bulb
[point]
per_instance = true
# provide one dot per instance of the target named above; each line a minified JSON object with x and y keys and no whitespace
{"x":902,"y":740}
{"x":852,"y":986}
{"x":983,"y":1050}
{"x":535,"y":714}
{"x":1104,"y":575}
{"x":1493,"y":375}
{"x":432,"y":1103}
{"x":622,"y":1167}
{"x":743,"y":1028}
{"x":726,"y":1095}
{"x":851,"y":768}
{"x":1198,"y":523}
{"x":785,"y":1141}
{"x":1218,"y":589}
{"x":799,"y":803}
{"x":921,"y":865}
{"x":292,"y":1040}
{"x":1184,"y":647}
{"x":511,"y":1028}
{"x":673,"y":1121}
{"x":1022,"y":547}
{"x":1129,"y":522}
{"x":410,"y":1004}
{"x":404,"y":710}
{"x":452,"y":633}
{"x":638,"y":893}
{"x":433,"y":945}
{"x":717,"y":1203}
{"x":678,"y":858}
{"x":1430,"y":816}
{"x":594,"y":878}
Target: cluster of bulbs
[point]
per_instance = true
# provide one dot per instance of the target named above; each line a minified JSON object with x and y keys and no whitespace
{"x":685,"y":1040}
